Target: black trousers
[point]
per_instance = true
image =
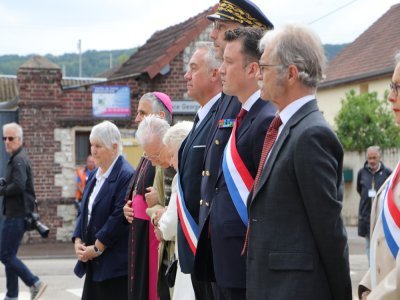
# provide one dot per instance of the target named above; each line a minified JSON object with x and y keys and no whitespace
{"x":114,"y":288}
{"x":202,"y":289}
{"x":221,"y":293}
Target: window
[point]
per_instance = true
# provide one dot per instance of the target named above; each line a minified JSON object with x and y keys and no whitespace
{"x":82,"y":147}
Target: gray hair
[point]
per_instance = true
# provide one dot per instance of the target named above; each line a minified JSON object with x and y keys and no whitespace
{"x":374,"y":148}
{"x":211,"y":59}
{"x":297,"y":45}
{"x":157,"y":105}
{"x":152,"y":126}
{"x":17,"y":128}
{"x":108,"y":134}
{"x":177,"y":133}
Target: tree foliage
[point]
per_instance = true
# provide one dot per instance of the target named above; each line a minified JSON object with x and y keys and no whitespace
{"x":93,"y":62}
{"x":364,"y":120}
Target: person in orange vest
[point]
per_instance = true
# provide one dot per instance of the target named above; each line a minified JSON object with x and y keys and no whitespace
{"x":82,"y":176}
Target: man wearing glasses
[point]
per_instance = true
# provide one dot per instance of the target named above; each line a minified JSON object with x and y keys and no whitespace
{"x":296,"y":242}
{"x":19,"y":200}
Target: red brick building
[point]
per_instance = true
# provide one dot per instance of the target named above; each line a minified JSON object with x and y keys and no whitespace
{"x":57,"y":117}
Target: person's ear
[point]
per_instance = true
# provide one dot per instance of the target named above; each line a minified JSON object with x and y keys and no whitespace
{"x":214,"y":75}
{"x":292,"y":73}
{"x":254,"y":69}
{"x":115,"y":147}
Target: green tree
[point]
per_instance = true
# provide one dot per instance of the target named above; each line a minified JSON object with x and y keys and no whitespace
{"x":365,"y":120}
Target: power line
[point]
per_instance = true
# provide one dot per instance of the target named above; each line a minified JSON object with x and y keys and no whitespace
{"x":332,"y":12}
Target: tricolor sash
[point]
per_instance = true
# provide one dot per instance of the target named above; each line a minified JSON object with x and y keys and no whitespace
{"x":237,"y":177}
{"x":189,"y":226}
{"x":391,"y":216}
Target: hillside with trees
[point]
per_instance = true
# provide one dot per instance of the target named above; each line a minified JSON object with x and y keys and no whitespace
{"x":93,"y":62}
{"x":96,"y":62}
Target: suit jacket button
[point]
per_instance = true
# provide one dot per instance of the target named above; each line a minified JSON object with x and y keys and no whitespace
{"x":201,"y":202}
{"x":207,"y":173}
{"x":216,"y":142}
{"x":203,"y":173}
{"x":207,"y":204}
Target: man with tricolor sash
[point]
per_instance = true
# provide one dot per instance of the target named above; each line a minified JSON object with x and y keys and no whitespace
{"x":230,"y":14}
{"x":228,"y":213}
{"x":204,"y":86}
{"x":382,"y":280}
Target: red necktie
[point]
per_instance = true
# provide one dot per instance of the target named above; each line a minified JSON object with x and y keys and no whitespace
{"x":242,"y":113}
{"x":269,"y":141}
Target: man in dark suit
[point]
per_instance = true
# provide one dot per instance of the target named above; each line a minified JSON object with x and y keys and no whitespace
{"x":204,"y":86}
{"x":230,"y":15}
{"x":297,"y":243}
{"x":227,"y":220}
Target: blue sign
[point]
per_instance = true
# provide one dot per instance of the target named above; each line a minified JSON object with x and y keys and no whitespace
{"x":112,"y":101}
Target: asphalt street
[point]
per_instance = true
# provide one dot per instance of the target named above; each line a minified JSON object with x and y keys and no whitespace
{"x":54,"y":264}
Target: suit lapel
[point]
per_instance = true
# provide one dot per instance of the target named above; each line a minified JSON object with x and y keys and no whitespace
{"x":280,"y":142}
{"x":248,"y":119}
{"x":110,"y":179}
{"x":223,"y":104}
{"x":188,"y":142}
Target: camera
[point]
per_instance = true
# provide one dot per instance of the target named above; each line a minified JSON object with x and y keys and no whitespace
{"x":32,"y":222}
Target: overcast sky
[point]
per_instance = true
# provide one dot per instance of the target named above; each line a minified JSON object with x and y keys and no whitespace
{"x":48,"y":26}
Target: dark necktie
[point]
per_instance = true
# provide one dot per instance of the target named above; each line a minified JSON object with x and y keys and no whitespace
{"x":242,"y":113}
{"x":195,"y":121}
{"x":269,"y":141}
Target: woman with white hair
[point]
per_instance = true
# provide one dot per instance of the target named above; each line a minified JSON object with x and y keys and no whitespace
{"x":101,"y":239}
{"x":168,"y":223}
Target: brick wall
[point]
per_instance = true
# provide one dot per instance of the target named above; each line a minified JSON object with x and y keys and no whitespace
{"x":50,"y":114}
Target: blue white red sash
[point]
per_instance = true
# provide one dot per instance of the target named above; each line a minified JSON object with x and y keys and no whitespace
{"x":237,"y":177}
{"x":391,"y":215}
{"x":189,"y":226}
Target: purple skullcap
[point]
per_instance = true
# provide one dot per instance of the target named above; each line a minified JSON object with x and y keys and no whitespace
{"x":165,"y":99}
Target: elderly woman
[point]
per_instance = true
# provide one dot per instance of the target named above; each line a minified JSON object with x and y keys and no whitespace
{"x":382,"y":280}
{"x":143,"y":245}
{"x":167,"y":225}
{"x":101,"y":239}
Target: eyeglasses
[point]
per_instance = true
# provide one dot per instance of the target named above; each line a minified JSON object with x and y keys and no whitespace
{"x":263,"y":66}
{"x":152,"y":157}
{"x":9,"y":138}
{"x":394,"y":88}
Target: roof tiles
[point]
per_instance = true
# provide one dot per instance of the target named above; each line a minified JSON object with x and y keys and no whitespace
{"x":163,"y":46}
{"x":371,"y":54}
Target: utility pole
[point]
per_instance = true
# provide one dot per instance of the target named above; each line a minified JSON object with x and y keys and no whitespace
{"x":111,"y":60}
{"x":80,"y":57}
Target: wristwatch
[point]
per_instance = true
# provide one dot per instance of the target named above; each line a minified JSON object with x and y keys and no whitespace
{"x":98,"y":252}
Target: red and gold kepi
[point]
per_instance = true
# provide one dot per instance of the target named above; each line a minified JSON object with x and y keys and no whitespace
{"x":243,"y":12}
